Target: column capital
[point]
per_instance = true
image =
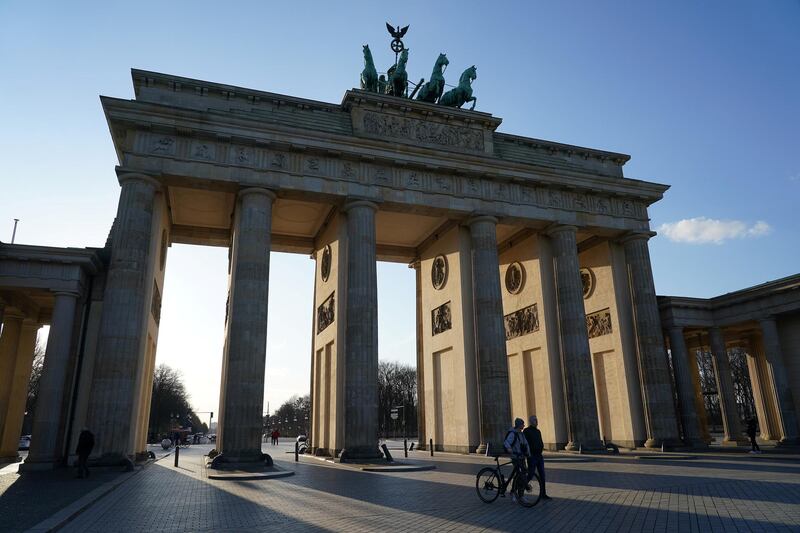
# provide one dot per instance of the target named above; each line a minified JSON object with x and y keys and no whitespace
{"x":125,"y":176}
{"x":768,"y":319}
{"x":559,"y":228}
{"x":358,"y":202}
{"x":14,"y":314}
{"x":70,"y":294}
{"x":636,"y":236}
{"x":30,"y":323}
{"x":676,"y":328}
{"x":257,"y":190}
{"x":481,"y":218}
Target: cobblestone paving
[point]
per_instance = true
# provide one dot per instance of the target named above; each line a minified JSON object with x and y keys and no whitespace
{"x":712,"y":493}
{"x":27,"y":499}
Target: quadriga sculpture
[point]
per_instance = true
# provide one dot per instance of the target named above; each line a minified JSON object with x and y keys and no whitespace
{"x":432,"y":90}
{"x":369,"y":76}
{"x":398,"y":77}
{"x":463,"y":93}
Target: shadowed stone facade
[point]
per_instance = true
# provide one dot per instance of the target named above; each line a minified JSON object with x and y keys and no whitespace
{"x":535,"y":292}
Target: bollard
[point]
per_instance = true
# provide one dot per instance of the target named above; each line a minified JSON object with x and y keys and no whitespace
{"x":296,"y":451}
{"x":431,"y":447}
{"x":386,"y":453}
{"x":405,"y":447}
{"x":177,"y":452}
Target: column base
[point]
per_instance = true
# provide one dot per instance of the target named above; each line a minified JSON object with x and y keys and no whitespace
{"x":360,"y":453}
{"x":39,"y":466}
{"x":585,"y":446}
{"x":229,"y":460}
{"x":481,"y":449}
{"x":695,"y":444}
{"x":665,"y":443}
{"x":113,"y":459}
{"x":740,"y":441}
{"x":10,"y":458}
{"x":788,"y":441}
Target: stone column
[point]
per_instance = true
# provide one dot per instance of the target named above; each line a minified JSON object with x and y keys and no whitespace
{"x":120,"y":342}
{"x":583,"y":429}
{"x":46,"y":437}
{"x":490,"y":337}
{"x":686,"y":390}
{"x":659,"y":407}
{"x":787,"y":417}
{"x":9,"y":341}
{"x":244,"y":360}
{"x":727,"y":398}
{"x":361,"y":335}
{"x":421,"y":428}
{"x":17,"y":392}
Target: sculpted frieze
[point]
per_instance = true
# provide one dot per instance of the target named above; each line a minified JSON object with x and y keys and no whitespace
{"x":599,"y":323}
{"x":383,"y":125}
{"x":491,"y":188}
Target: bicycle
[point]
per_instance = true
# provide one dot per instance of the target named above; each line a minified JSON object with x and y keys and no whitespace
{"x":491,"y":483}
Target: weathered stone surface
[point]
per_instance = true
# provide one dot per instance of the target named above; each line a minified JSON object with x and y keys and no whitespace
{"x":244,"y":359}
{"x":582,"y":424}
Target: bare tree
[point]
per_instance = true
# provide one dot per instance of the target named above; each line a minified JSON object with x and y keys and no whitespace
{"x":397,"y":388}
{"x":170,"y":404}
{"x":33,"y":385}
{"x":291,"y":418}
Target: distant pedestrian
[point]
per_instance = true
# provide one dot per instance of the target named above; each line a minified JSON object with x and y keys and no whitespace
{"x":85,"y":445}
{"x":751,"y":432}
{"x":277,"y":437}
{"x":535,"y":459}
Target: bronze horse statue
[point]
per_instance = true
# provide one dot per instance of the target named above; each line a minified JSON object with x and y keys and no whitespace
{"x":398,"y":77}
{"x":463,"y":93}
{"x":369,"y":76}
{"x":432,"y":90}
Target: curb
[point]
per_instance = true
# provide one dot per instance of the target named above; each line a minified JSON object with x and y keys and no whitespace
{"x":68,"y":513}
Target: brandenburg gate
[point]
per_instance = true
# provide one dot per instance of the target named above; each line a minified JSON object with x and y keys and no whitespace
{"x":533,"y":279}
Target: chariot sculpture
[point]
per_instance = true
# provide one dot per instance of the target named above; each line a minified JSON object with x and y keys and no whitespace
{"x":395,"y":82}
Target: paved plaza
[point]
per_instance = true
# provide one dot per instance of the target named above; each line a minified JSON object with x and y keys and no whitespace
{"x":728,"y":491}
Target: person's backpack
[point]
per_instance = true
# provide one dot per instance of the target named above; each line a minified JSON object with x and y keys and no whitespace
{"x":523,"y":442}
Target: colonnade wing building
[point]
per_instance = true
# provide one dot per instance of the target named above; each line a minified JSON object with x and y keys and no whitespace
{"x":534,"y":287}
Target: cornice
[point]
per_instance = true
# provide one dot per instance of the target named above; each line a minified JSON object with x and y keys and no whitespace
{"x":146,"y":116}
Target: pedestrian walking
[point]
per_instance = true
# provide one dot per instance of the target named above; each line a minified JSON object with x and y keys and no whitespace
{"x":751,"y":432}
{"x":85,"y":445}
{"x":535,"y":459}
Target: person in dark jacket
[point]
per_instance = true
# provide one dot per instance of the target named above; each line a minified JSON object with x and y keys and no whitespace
{"x":751,"y":432}
{"x":85,"y":445}
{"x":535,"y":460}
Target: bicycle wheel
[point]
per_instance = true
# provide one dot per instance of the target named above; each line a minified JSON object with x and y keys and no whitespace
{"x":528,"y":494}
{"x":488,"y":485}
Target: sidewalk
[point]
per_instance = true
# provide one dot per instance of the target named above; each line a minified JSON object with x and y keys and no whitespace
{"x":620,"y":493}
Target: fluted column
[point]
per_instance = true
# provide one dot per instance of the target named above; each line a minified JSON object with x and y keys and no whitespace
{"x":361,"y":335}
{"x":583,"y":429}
{"x":784,"y":401}
{"x":490,"y":338}
{"x":732,"y":426}
{"x":659,"y":407}
{"x":46,"y":437}
{"x":244,"y":360}
{"x":9,"y":341}
{"x":421,"y":428}
{"x":120,"y":341}
{"x":686,"y":390}
{"x":18,"y":391}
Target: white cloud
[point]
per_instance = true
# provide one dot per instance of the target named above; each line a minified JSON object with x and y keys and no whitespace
{"x":702,"y":230}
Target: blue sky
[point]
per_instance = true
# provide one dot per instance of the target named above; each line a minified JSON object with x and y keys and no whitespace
{"x":703,"y":96}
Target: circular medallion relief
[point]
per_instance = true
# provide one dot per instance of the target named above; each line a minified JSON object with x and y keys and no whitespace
{"x":325,"y":264}
{"x":515,"y":278}
{"x":439,"y":272}
{"x":588,"y":280}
